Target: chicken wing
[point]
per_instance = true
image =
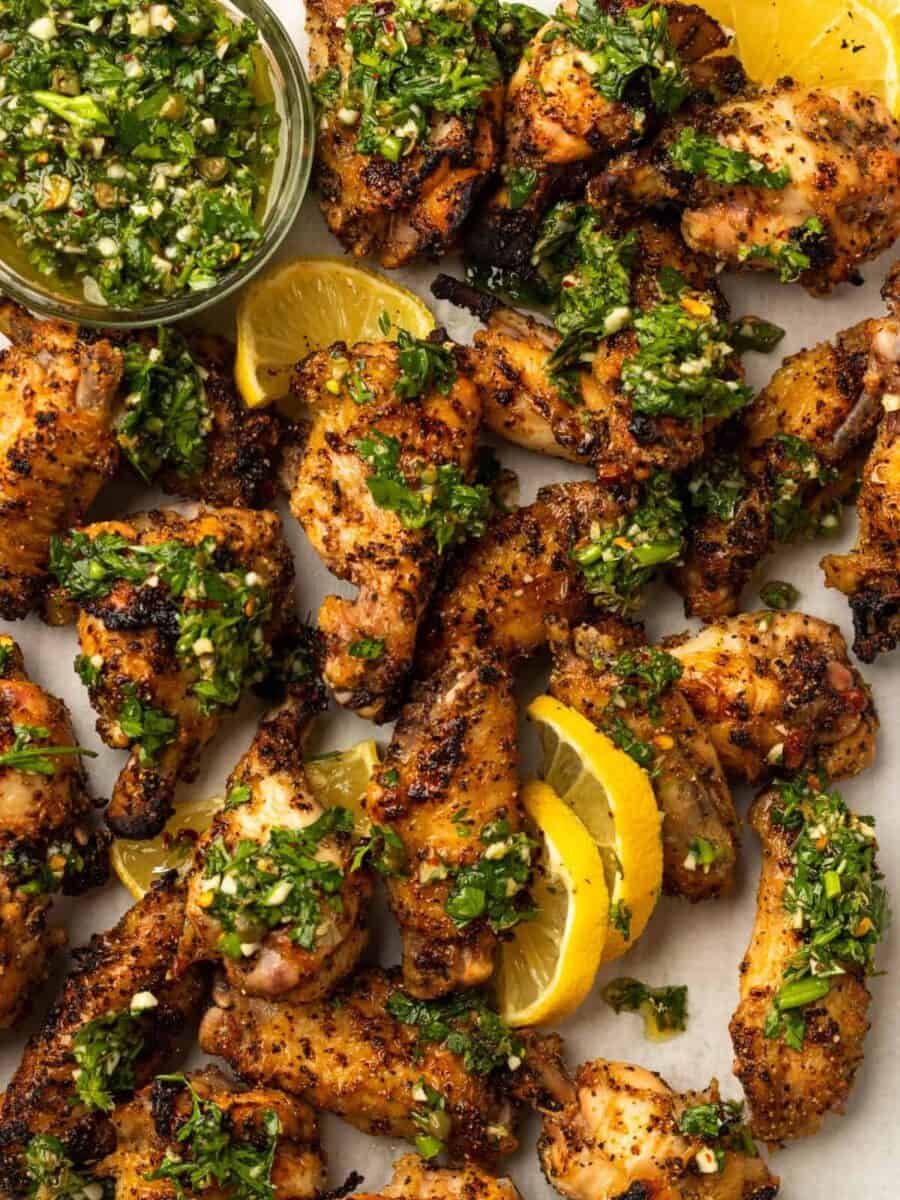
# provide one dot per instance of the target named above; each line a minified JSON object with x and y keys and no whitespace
{"x":382,"y":487}
{"x":777,"y":690}
{"x":58,"y":386}
{"x":272,"y":895}
{"x":627,"y":1134}
{"x":410,"y":106}
{"x":798,"y":1030}
{"x":114,"y":1025}
{"x":362,"y":1054}
{"x":802,"y":181}
{"x":46,"y":844}
{"x":262,"y":1136}
{"x":416,"y":1179}
{"x":177,"y":617}
{"x":626,"y":689}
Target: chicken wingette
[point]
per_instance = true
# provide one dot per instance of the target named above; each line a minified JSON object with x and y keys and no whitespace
{"x":380,"y":1059}
{"x":46,"y":844}
{"x":416,"y":1179}
{"x":797,"y":180}
{"x":776,"y":690}
{"x":382,"y":486}
{"x":803,"y":1014}
{"x":627,"y":1134}
{"x":176,"y":618}
{"x":114,"y":1025}
{"x":273,"y":895}
{"x":627,"y":689}
{"x":58,"y":389}
{"x":189,"y":1129}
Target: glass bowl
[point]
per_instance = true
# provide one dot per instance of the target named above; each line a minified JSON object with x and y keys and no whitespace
{"x":290,"y":180}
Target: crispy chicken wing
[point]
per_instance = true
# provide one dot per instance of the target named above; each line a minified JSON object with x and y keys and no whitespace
{"x":371,"y":487}
{"x":839,"y":207}
{"x":45,"y":843}
{"x":177,"y":616}
{"x":150,"y":1132}
{"x":624,"y":1135}
{"x":58,"y":386}
{"x":399,"y":183}
{"x":777,"y":689}
{"x":349,"y":1055}
{"x":296,"y":947}
{"x":608,"y":674}
{"x":790,"y":1088}
{"x":131,"y":959}
{"x":416,"y":1179}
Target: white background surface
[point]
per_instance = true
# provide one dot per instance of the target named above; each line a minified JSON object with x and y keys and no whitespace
{"x":701,"y":946}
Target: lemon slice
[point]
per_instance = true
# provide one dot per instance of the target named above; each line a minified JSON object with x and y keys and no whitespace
{"x":340,"y":778}
{"x":307,"y":304}
{"x":549,"y":964}
{"x":613,"y":798}
{"x":829,"y":43}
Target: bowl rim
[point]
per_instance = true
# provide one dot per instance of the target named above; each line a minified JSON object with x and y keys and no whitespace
{"x":292,"y":175}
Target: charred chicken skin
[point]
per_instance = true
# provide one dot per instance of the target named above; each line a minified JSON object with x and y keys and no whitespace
{"x":177,"y":616}
{"x":416,"y":1179}
{"x":46,"y":844}
{"x":381,"y":487}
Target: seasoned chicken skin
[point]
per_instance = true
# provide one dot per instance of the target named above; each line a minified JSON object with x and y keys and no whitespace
{"x":129,"y":629}
{"x":790,"y":1091}
{"x":133,"y":957}
{"x":348,"y":1055}
{"x":839,"y":208}
{"x":397,"y":210}
{"x":57,"y":446}
{"x":45,"y":842}
{"x":588,"y":666}
{"x":621,"y":1137}
{"x":269,"y":805}
{"x":148,"y":1129}
{"x":416,"y":1179}
{"x":777,"y":689}
{"x":393,"y":564}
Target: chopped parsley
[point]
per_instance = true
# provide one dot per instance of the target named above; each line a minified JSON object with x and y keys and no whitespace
{"x":779,"y":595}
{"x":701,"y":855}
{"x":834,"y":897}
{"x":619,"y":560}
{"x":51,"y":1173}
{"x":87,"y":670}
{"x":26,"y":755}
{"x":493,"y":887}
{"x":626,"y":739}
{"x":520,"y":183}
{"x":148,"y":728}
{"x":802,"y":468}
{"x":106,"y":1050}
{"x":753,"y":333}
{"x":595,"y":295}
{"x":431,"y":1119}
{"x":5,"y":656}
{"x":255,"y":888}
{"x":39,"y":872}
{"x":210,"y":1155}
{"x":700,"y":154}
{"x":237,"y":795}
{"x":620,"y":919}
{"x":222,"y":609}
{"x":424,"y":365}
{"x":166,"y":417}
{"x":645,"y":674}
{"x":384,"y":851}
{"x":721,"y":1122}
{"x":717,"y":486}
{"x":789,"y":256}
{"x":442,"y":502}
{"x":516,"y":26}
{"x":367,"y":647}
{"x":664,"y":1009}
{"x":464,"y":1023}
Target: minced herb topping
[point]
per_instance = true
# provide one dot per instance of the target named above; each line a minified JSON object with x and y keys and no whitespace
{"x":106,"y":1051}
{"x":492,"y":887}
{"x":467,"y":1025}
{"x":790,"y":256}
{"x":801,"y":468}
{"x":700,"y":154}
{"x":39,"y":871}
{"x":51,"y":1173}
{"x":664,"y":1009}
{"x":137,"y":144}
{"x":30,"y":751}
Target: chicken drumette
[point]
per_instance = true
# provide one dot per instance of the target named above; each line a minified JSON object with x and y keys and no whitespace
{"x":45,"y":843}
{"x":382,"y":486}
{"x":416,"y":1179}
{"x":177,"y":616}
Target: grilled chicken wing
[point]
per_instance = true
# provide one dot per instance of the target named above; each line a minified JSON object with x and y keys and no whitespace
{"x":524,"y":401}
{"x":299,"y":946}
{"x":151,"y":1131}
{"x":592,"y":667}
{"x":57,"y":446}
{"x":839,"y":207}
{"x":790,"y":1090}
{"x":403,"y":186}
{"x":622,"y":1136}
{"x":349,"y":1055}
{"x":777,"y":689}
{"x":428,"y":426}
{"x":45,"y":844}
{"x":131,"y":959}
{"x":416,"y":1179}
{"x":177,"y":616}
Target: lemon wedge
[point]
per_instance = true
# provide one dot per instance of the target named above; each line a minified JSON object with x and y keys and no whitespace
{"x":307,"y":304}
{"x":613,"y":798}
{"x":340,"y":778}
{"x":548,"y":966}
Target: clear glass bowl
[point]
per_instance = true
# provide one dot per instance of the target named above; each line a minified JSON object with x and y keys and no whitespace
{"x":290,"y":179}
